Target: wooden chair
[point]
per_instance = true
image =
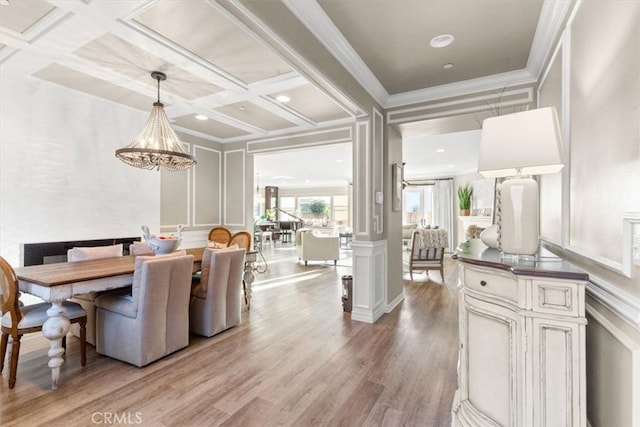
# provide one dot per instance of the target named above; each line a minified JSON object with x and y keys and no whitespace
{"x":17,"y":321}
{"x":427,"y":251}
{"x":242,"y":239}
{"x":220,"y":235}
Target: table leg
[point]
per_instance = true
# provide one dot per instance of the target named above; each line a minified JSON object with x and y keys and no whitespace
{"x":56,"y":327}
{"x":248,"y":280}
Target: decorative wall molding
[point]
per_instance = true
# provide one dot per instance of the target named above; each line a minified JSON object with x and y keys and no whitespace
{"x":634,"y":348}
{"x":362,"y":199}
{"x":622,"y":267}
{"x":378,"y":169}
{"x":620,"y":302}
{"x":218,"y":167}
{"x":227,"y":181}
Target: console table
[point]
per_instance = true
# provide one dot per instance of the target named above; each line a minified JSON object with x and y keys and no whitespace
{"x":521,"y":341}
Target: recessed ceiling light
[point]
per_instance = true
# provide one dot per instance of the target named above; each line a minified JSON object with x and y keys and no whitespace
{"x":448,"y":66}
{"x":443,"y":40}
{"x":283,"y":98}
{"x":440,"y":150}
{"x":201,"y":117}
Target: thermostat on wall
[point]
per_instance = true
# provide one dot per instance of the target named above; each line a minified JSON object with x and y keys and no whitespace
{"x":379,"y":197}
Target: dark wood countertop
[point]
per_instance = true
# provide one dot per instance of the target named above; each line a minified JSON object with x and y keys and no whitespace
{"x":546,"y":264}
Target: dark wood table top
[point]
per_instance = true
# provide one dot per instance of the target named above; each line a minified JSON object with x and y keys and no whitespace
{"x":545,"y":264}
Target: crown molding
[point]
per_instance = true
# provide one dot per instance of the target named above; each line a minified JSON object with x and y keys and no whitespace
{"x":316,"y":20}
{"x":467,"y":87}
{"x":550,"y":26}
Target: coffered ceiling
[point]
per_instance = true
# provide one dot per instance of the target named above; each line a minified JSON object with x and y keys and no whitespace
{"x":219,"y":68}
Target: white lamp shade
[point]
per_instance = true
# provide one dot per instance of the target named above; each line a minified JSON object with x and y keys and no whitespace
{"x":525,"y":143}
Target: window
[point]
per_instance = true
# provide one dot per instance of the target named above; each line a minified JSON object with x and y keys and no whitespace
{"x":341,"y":210}
{"x":418,"y":205}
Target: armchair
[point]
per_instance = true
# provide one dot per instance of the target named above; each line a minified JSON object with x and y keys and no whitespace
{"x":153,"y":321}
{"x":427,"y":250}
{"x":215,"y":302}
{"x":310,"y":247}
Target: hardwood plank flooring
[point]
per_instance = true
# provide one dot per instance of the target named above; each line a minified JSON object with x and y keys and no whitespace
{"x":297,"y":359}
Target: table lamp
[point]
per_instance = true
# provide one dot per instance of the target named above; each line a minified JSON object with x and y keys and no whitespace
{"x":517,"y":146}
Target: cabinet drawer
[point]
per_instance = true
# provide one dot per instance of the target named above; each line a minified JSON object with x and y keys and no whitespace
{"x":557,"y":298}
{"x":492,"y":283}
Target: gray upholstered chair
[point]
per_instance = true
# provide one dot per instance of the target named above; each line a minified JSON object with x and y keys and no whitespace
{"x":216,"y":301}
{"x":153,"y":321}
{"x":87,"y":301}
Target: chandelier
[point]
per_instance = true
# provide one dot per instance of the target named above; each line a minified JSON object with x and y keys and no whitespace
{"x":157,"y":145}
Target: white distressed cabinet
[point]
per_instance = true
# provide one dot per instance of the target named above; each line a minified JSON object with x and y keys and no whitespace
{"x":521,"y":341}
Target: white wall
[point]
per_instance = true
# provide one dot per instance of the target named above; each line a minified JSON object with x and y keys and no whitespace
{"x":59,"y":177}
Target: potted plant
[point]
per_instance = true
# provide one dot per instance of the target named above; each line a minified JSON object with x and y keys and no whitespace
{"x":464,"y":199}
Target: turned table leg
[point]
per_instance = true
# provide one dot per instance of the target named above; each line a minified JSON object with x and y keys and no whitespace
{"x":54,"y":329}
{"x":248,"y":280}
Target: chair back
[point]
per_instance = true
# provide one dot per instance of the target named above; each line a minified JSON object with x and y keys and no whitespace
{"x":139,"y":248}
{"x":428,"y":245}
{"x":220,"y":235}
{"x":9,"y":294}
{"x":81,"y":253}
{"x":216,"y":302}
{"x":242,"y":239}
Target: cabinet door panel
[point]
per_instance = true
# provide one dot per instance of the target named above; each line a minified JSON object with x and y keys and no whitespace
{"x":555,"y":371}
{"x":490,"y":353}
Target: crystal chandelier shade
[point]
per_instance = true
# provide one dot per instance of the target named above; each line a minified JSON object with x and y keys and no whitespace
{"x":157,"y":145}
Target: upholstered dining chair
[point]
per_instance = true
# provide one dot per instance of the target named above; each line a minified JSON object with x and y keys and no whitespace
{"x":139,"y":248}
{"x":215,"y":302}
{"x":17,"y":320}
{"x":427,"y":250}
{"x":87,"y":301}
{"x":220,"y":235}
{"x":152,"y":321}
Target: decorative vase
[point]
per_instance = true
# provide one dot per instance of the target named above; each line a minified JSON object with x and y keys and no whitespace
{"x":465,"y":212}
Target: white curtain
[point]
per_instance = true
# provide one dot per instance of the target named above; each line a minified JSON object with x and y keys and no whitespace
{"x":443,"y":208}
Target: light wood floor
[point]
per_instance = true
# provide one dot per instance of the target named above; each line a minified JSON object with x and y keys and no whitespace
{"x":296,"y":359}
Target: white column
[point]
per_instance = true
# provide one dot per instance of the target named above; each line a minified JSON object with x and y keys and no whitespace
{"x":369,"y":280}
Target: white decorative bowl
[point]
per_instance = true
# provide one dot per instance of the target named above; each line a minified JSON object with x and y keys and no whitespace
{"x":161,"y":246}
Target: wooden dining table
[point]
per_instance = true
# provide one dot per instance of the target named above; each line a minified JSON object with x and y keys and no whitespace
{"x":58,"y":282}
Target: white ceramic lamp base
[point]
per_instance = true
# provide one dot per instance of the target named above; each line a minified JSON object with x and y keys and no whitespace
{"x":518,"y":216}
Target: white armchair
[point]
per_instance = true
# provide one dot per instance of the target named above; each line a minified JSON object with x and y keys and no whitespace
{"x":311,"y":247}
